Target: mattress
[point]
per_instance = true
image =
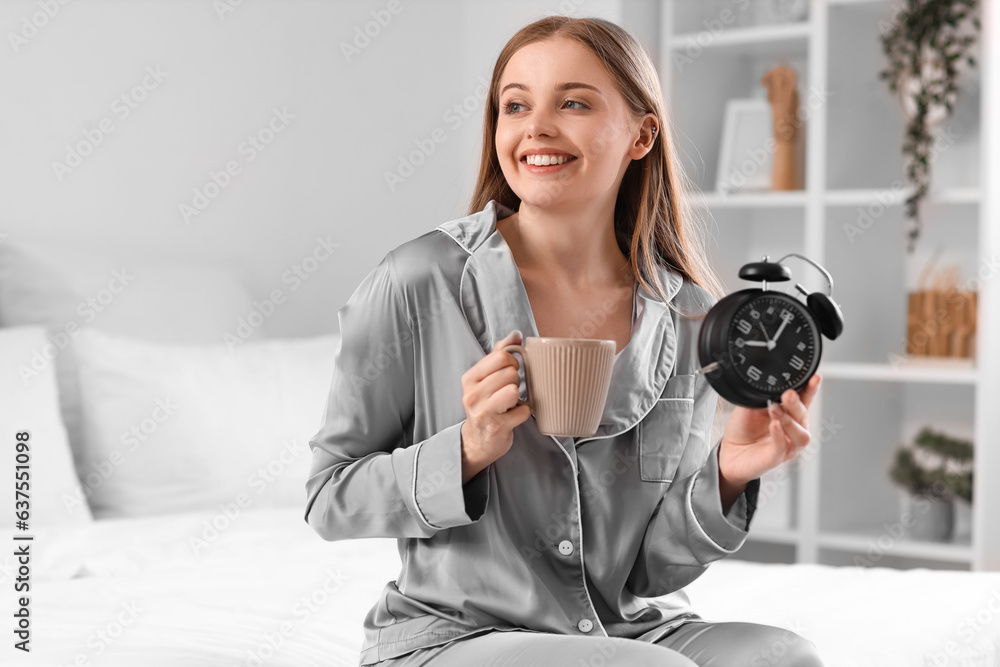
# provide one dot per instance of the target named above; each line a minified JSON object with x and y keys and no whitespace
{"x":260,"y":587}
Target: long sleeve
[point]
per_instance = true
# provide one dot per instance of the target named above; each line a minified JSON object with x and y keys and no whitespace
{"x":368,"y":479}
{"x":689,"y":530}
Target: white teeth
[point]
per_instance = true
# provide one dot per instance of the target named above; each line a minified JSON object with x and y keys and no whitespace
{"x":542,"y":160}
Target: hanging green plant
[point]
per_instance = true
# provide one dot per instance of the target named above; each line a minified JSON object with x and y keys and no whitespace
{"x":927,"y":46}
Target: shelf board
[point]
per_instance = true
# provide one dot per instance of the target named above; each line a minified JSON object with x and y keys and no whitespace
{"x":771,"y":199}
{"x":875,"y":541}
{"x":756,"y":40}
{"x":895,"y":197}
{"x":843,"y":197}
{"x":773,"y":535}
{"x":907,"y":369}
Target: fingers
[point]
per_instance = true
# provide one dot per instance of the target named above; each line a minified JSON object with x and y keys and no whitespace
{"x":513,"y":338}
{"x":797,"y":405}
{"x":501,"y":405}
{"x":787,"y":430}
{"x":789,"y":419}
{"x":505,"y":375}
{"x":810,"y":390}
{"x":503,"y":401}
{"x":492,"y":384}
{"x":495,"y":360}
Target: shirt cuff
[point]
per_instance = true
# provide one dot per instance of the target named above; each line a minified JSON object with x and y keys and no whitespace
{"x":442,"y":501}
{"x":728,"y":530}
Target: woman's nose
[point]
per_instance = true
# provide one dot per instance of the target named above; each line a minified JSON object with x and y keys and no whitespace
{"x":542,"y":122}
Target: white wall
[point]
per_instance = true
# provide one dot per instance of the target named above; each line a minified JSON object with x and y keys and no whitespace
{"x":223,"y":74}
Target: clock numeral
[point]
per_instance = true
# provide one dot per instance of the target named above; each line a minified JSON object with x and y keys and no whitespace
{"x":740,"y":342}
{"x":796,"y":363}
{"x":755,"y":314}
{"x":754,"y":373}
{"x":743,"y":359}
{"x":787,"y":376}
{"x":771,"y":380}
{"x":744,"y":327}
{"x":787,"y":314}
{"x":801,"y":347}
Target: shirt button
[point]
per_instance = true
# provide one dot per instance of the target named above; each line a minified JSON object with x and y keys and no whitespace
{"x":585,"y":625}
{"x":565,"y":547}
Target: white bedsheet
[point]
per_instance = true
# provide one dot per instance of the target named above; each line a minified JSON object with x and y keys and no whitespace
{"x":863,"y":616}
{"x":266,"y":590}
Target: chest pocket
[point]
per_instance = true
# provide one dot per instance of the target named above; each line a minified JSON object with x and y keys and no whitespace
{"x":663,"y":433}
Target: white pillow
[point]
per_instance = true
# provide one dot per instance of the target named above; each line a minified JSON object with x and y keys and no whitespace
{"x":172,"y":428}
{"x":63,"y":288}
{"x":30,"y":402}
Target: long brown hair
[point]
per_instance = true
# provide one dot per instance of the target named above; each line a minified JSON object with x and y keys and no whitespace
{"x":654,"y":223}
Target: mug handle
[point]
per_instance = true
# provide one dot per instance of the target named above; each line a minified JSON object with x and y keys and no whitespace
{"x":519,"y":349}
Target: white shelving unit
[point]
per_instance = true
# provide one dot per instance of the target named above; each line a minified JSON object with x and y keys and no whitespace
{"x":836,"y":504}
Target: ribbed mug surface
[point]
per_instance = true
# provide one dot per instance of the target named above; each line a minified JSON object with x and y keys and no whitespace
{"x":567,"y":382}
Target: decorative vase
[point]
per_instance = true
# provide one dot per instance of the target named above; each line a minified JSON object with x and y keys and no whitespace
{"x":963,"y":521}
{"x":930,"y":518}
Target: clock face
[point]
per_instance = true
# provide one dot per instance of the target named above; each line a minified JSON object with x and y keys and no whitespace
{"x":773,"y":343}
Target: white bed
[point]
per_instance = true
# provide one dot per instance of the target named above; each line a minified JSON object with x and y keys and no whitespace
{"x":267,"y":587}
{"x":181,"y":549}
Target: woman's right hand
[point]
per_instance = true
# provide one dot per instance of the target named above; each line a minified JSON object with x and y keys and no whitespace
{"x":490,"y":392}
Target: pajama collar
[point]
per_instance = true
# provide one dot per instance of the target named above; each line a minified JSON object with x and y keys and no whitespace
{"x":495,"y":303}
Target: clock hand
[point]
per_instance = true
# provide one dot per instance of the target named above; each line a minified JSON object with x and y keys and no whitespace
{"x":770,"y":341}
{"x":765,"y":332}
{"x":780,"y":329}
{"x":759,"y":343}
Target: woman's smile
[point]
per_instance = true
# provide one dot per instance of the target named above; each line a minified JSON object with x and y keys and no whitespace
{"x":545,"y":167}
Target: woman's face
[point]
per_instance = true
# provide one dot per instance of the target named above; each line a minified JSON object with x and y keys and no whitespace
{"x":590,"y":127}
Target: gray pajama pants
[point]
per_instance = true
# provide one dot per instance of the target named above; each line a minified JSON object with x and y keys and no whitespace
{"x":693,"y":644}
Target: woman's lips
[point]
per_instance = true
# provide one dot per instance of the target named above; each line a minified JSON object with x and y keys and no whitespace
{"x":549,"y":168}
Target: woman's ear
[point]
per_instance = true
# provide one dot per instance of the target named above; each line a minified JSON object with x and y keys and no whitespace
{"x":649,"y":130}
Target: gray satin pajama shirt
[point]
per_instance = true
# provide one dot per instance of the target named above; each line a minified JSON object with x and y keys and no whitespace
{"x":560,"y":535}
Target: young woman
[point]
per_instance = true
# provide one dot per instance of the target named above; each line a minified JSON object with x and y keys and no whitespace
{"x":517,"y":548}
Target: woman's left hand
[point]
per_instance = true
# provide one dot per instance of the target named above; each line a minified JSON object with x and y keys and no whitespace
{"x":759,"y":439}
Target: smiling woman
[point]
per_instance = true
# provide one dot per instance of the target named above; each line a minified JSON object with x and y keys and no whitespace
{"x":569,"y":91}
{"x":524,"y":549}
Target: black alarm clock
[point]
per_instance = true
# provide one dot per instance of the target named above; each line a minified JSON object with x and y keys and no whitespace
{"x":757,"y":343}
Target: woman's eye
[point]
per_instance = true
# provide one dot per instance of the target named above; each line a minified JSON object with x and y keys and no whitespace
{"x":510,"y":107}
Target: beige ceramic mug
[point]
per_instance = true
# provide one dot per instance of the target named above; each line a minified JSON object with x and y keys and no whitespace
{"x":567,"y":382}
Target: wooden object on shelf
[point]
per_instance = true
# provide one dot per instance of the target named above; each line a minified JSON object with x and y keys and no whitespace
{"x":941,"y":319}
{"x":784,"y":98}
{"x":964,"y":342}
